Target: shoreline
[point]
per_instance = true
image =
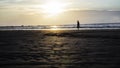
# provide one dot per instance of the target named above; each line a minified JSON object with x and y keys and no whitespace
{"x":62,"y":29}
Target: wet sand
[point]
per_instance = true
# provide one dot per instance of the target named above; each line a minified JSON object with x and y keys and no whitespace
{"x":60,"y":49}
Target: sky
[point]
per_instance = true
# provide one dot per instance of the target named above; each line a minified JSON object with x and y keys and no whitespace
{"x":55,"y":12}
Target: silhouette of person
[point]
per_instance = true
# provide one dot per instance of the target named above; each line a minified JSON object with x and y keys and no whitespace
{"x":78,"y":24}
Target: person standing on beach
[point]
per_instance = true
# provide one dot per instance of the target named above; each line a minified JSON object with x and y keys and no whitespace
{"x":78,"y":24}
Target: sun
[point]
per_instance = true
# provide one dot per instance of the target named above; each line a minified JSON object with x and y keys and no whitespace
{"x":53,"y":8}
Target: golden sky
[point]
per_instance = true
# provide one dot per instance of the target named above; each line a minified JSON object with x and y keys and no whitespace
{"x":55,"y":12}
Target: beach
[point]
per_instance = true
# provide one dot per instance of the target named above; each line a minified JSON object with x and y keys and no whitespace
{"x":60,"y":48}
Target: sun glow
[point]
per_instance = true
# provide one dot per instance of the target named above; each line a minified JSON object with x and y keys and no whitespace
{"x":53,"y":8}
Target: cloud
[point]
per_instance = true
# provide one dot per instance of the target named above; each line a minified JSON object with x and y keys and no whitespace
{"x":21,"y":2}
{"x":116,"y":19}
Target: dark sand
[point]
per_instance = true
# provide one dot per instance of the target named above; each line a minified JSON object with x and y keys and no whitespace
{"x":60,"y":49}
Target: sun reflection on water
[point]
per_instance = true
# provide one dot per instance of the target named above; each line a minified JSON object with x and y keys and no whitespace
{"x":54,"y":28}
